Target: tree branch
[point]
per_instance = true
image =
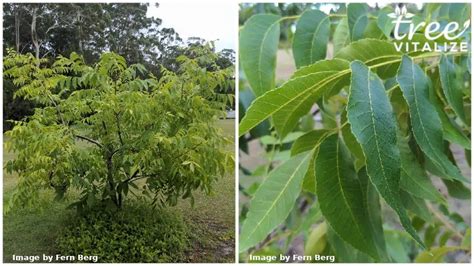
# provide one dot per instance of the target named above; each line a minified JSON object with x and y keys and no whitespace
{"x":132,"y":176}
{"x":119,"y":130}
{"x":89,"y":140}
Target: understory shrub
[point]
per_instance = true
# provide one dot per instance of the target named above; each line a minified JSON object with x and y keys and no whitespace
{"x":133,"y":234}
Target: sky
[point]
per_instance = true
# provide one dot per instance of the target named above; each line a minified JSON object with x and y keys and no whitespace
{"x":208,"y":20}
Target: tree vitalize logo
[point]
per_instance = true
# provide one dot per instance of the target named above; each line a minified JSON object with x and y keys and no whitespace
{"x":432,"y":31}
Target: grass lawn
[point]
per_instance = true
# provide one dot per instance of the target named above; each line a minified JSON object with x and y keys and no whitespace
{"x":211,"y":220}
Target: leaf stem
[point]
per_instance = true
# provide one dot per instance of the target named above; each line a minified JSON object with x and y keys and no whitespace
{"x":343,"y":125}
{"x":272,"y":155}
{"x":392,"y":89}
{"x":289,"y":18}
{"x":443,"y":221}
{"x":298,"y":16}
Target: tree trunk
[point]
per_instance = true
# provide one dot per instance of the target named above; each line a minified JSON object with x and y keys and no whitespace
{"x":79,"y":28}
{"x":34,"y":34}
{"x":114,"y":195}
{"x":17,"y":29}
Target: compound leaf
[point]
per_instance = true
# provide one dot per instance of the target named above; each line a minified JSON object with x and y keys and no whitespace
{"x":295,"y":97}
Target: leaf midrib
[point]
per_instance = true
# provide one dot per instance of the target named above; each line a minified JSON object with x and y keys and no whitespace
{"x":261,"y":52}
{"x":449,"y":96}
{"x":287,"y":118}
{"x":323,"y":82}
{"x":353,"y":26}
{"x":376,"y":139}
{"x":412,"y":65}
{"x":313,"y":38}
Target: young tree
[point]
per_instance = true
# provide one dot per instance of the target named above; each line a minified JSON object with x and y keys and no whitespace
{"x":111,"y":129}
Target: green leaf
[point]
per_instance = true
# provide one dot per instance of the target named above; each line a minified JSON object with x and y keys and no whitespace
{"x":452,"y":83}
{"x":417,"y":206}
{"x":308,"y":141}
{"x":258,"y":45}
{"x":373,"y":124}
{"x":345,"y":252}
{"x":273,"y":200}
{"x":373,"y":52}
{"x":435,"y":254}
{"x":340,"y":196}
{"x":396,"y":247}
{"x":384,"y":22}
{"x":270,"y":140}
{"x":430,"y":234}
{"x":309,"y":180}
{"x":443,"y":239}
{"x":294,"y":98}
{"x":351,"y":142}
{"x":357,"y":20}
{"x":424,"y":120}
{"x":316,"y":240}
{"x":458,"y":12}
{"x":456,"y":189}
{"x":246,"y":97}
{"x":374,"y":210}
{"x":451,"y":132}
{"x":313,"y":216}
{"x":414,"y":179}
{"x":341,"y":36}
{"x":373,"y":31}
{"x":430,"y":8}
{"x":311,"y":37}
{"x":324,"y":75}
{"x":466,"y":241}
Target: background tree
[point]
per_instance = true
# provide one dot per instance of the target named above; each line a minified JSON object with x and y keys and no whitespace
{"x":50,"y":30}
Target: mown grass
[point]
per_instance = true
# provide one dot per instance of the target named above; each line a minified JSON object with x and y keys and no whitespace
{"x":212,"y":220}
{"x":33,"y":231}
